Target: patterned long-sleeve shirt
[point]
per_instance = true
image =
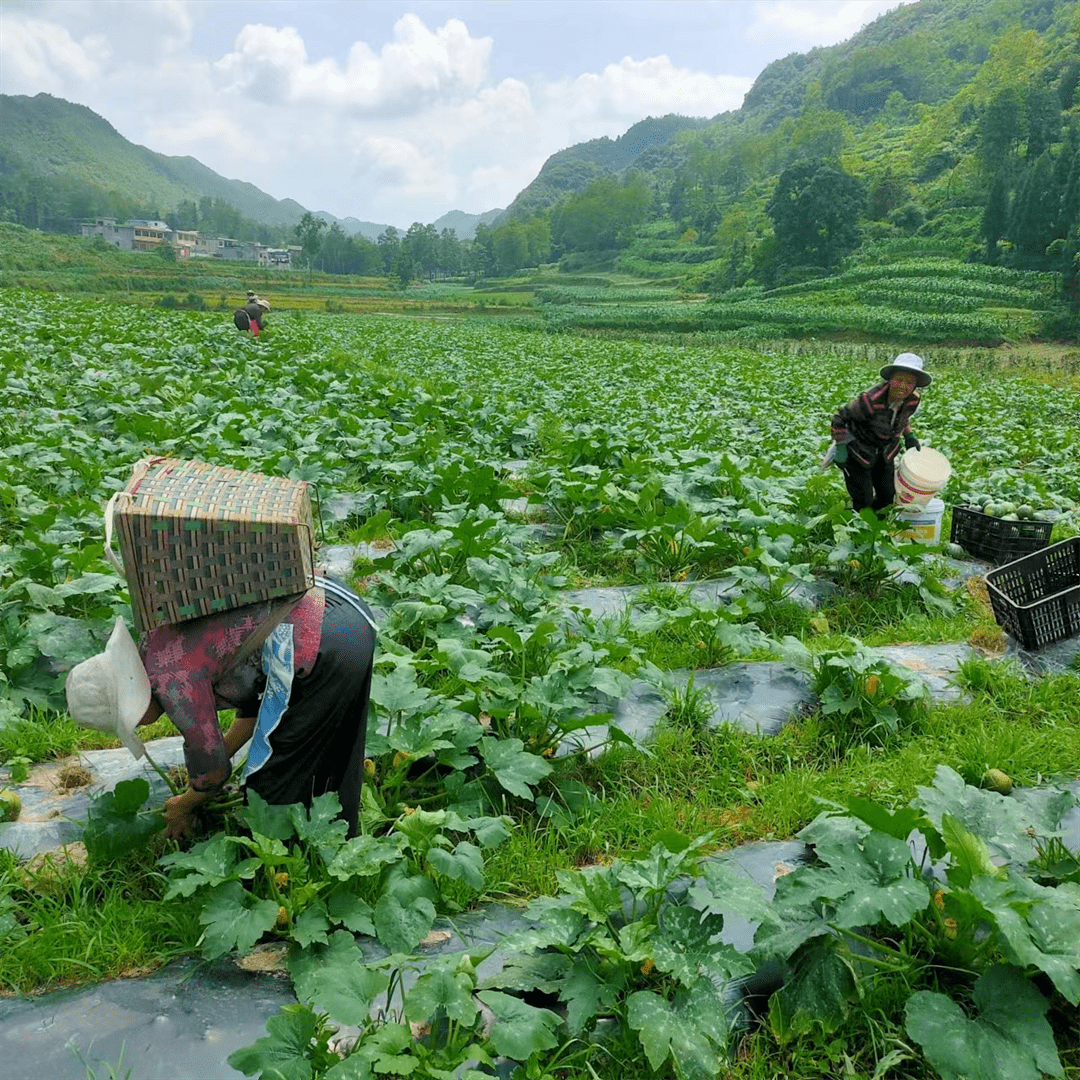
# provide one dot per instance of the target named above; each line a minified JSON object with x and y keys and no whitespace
{"x":198,"y":667}
{"x":868,"y":425}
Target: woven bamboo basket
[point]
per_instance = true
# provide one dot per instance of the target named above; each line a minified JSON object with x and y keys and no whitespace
{"x":198,"y":539}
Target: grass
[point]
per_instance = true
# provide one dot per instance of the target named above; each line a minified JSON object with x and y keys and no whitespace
{"x":86,"y":924}
{"x":47,"y":736}
{"x":745,"y":788}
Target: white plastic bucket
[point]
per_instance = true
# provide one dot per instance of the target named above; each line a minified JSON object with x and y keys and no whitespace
{"x":921,"y":524}
{"x":920,"y":475}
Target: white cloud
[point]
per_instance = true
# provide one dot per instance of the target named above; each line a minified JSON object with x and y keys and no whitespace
{"x":634,"y":89}
{"x":804,"y":24}
{"x":415,"y":68}
{"x":37,"y":56}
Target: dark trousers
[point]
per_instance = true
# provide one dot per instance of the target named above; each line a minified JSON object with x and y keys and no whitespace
{"x":870,"y":485}
{"x":319,"y":744}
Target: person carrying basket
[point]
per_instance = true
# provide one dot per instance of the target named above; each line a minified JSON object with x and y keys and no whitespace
{"x":250,"y":316}
{"x":230,"y":614}
{"x":297,"y":671}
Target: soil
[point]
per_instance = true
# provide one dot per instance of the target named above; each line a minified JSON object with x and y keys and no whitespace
{"x":73,"y":775}
{"x":268,"y":958}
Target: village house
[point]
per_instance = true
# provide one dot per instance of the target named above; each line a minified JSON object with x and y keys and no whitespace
{"x":138,"y":235}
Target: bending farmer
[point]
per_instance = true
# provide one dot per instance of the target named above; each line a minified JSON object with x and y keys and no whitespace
{"x":250,"y":316}
{"x":867,"y":432}
{"x":297,"y":671}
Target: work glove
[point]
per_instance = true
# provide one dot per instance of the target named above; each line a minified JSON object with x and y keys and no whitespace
{"x":840,"y":454}
{"x":911,"y":443}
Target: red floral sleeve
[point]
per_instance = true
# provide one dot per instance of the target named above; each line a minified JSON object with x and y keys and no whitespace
{"x":184,"y":662}
{"x":187,"y":663}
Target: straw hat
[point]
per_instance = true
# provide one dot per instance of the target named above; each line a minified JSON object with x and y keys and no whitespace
{"x":111,"y":691}
{"x":907,"y":361}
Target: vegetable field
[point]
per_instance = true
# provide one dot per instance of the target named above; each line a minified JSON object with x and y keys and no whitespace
{"x":920,"y":299}
{"x":498,"y":467}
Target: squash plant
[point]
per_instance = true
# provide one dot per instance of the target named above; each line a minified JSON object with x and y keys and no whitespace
{"x":306,"y":879}
{"x":953,"y":906}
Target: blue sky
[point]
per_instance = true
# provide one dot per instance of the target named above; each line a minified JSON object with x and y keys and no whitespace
{"x":397,"y":112}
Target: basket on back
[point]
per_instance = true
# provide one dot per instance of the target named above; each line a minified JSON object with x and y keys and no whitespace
{"x":198,"y":539}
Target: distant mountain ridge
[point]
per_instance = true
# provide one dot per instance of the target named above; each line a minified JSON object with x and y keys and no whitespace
{"x":570,"y":169}
{"x":917,"y":55}
{"x":48,"y":136}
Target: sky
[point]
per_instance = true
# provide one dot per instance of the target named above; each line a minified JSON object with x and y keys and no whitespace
{"x":395,"y":112}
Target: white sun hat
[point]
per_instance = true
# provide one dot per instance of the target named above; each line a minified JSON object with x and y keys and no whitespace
{"x":111,"y":691}
{"x":908,"y":361}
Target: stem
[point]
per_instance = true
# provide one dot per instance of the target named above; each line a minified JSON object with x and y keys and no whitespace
{"x":161,"y":772}
{"x":870,"y":943}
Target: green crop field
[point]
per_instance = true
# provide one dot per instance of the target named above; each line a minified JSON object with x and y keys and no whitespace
{"x":503,"y":465}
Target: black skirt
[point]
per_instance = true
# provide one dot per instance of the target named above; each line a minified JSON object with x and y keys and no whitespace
{"x":318,"y":745}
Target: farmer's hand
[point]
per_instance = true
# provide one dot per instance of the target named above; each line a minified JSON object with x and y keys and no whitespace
{"x":180,"y":813}
{"x":179,"y":822}
{"x":911,"y":443}
{"x":840,"y":453}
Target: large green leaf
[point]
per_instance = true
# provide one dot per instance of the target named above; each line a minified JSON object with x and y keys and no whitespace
{"x":690,"y":1030}
{"x":1040,"y":926}
{"x":557,"y":922}
{"x":443,"y":986}
{"x":311,"y":925}
{"x":234,"y":919}
{"x":723,"y":890}
{"x":865,"y":882}
{"x":334,"y":979}
{"x":363,"y":856}
{"x":209,"y":862}
{"x":898,"y":824}
{"x":994,"y":818}
{"x":970,"y":857}
{"x":114,"y":825}
{"x":401,"y":926}
{"x":817,"y":992}
{"x":687,"y":944}
{"x":321,"y":825}
{"x":464,"y":863}
{"x":594,"y":891}
{"x":284,"y":1054}
{"x":1008,"y":1039}
{"x":350,"y":911}
{"x":267,"y":820}
{"x":513,"y":766}
{"x":520,"y":1030}
{"x":399,"y":692}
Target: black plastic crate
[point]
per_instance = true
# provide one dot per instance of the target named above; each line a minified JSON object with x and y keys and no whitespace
{"x":995,"y":539}
{"x":1037,"y":598}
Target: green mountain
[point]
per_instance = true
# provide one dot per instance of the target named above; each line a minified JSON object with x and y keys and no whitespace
{"x":646,"y":145}
{"x":945,"y":128}
{"x":85,"y":163}
{"x":922,"y":54}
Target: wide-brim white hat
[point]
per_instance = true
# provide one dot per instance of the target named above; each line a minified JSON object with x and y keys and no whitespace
{"x":908,"y":361}
{"x":111,"y":691}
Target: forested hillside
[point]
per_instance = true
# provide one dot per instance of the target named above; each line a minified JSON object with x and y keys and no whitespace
{"x":61,"y":162}
{"x":947,"y":128}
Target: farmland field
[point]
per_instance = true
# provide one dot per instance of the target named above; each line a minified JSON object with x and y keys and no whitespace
{"x":505,"y":465}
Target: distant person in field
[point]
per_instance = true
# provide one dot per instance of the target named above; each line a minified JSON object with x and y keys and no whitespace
{"x":250,"y":316}
{"x":866,"y":432}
